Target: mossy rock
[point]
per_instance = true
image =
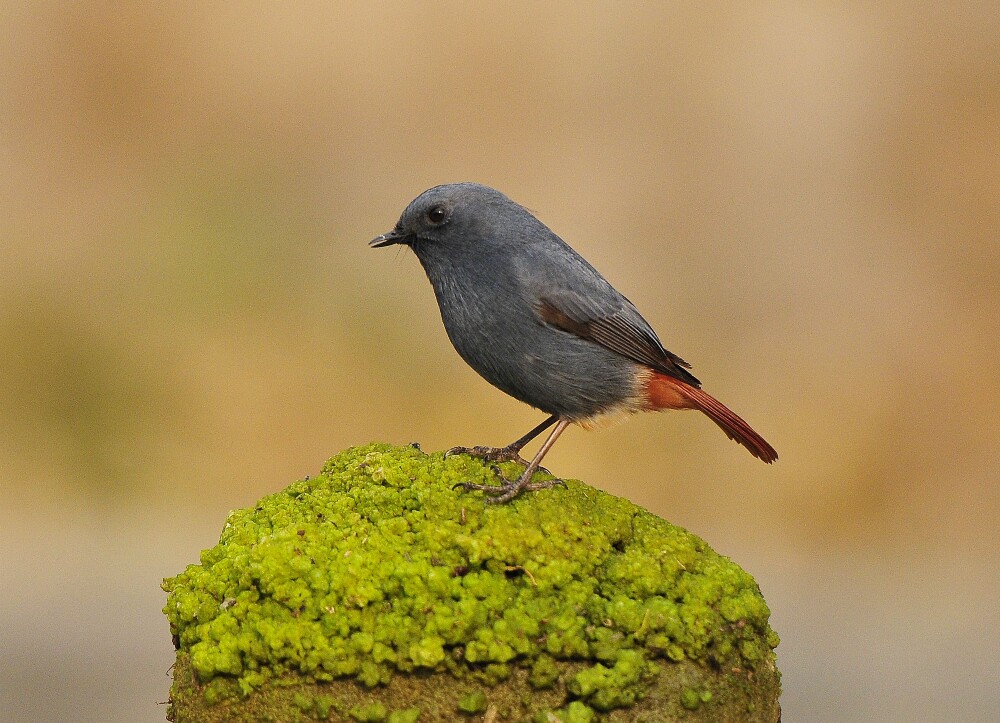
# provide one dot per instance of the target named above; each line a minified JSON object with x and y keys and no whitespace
{"x":378,"y":592}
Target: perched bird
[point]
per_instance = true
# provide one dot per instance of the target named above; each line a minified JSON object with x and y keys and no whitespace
{"x":538,"y":322}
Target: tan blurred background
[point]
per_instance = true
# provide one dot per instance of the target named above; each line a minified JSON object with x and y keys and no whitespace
{"x":803,"y":200}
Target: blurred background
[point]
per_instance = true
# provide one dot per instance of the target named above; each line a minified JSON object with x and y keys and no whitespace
{"x":801,"y":198}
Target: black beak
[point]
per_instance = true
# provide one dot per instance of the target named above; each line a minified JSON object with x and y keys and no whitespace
{"x":388,"y":239}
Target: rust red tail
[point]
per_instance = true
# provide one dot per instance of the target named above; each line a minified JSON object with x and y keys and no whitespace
{"x":666,"y":392}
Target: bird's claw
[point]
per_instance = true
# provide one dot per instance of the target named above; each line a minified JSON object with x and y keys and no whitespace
{"x":493,"y":454}
{"x":508,"y":490}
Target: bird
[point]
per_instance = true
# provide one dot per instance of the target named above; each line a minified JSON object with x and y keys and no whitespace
{"x":537,"y":321}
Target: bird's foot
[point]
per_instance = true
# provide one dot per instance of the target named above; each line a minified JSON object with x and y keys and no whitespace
{"x":508,"y":490}
{"x":509,"y":453}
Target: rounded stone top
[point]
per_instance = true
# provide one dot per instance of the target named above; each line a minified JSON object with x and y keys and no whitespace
{"x":376,"y":583}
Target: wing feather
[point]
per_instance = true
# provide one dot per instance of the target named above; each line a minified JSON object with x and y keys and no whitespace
{"x":622,"y":330}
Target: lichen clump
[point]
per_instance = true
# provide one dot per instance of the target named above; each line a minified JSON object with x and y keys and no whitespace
{"x":378,"y":567}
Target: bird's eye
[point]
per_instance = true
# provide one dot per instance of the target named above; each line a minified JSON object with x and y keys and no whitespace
{"x":437,"y":215}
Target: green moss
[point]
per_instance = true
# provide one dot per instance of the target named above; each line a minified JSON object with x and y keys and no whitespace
{"x":616,"y":687}
{"x":409,"y":715}
{"x":575,"y":712}
{"x":324,"y":705}
{"x":378,"y":567}
{"x":474,"y":702}
{"x":690,"y":699}
{"x":544,"y":672}
{"x":370,"y":713}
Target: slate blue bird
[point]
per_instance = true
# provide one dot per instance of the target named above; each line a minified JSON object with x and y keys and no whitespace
{"x":538,"y":322}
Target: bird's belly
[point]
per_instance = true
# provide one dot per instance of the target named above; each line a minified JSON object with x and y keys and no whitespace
{"x":550,"y":369}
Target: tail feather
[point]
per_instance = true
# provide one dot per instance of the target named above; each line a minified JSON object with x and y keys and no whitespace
{"x":665,"y":392}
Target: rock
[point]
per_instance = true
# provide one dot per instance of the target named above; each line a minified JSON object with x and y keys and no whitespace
{"x":378,"y":592}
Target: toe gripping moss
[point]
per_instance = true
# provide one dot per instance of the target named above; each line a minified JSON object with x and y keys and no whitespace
{"x":377,"y":592}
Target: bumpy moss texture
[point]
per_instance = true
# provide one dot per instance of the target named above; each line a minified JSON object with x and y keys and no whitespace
{"x":378,"y":592}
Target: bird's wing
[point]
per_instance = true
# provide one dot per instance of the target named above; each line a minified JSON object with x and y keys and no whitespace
{"x":614,"y":323}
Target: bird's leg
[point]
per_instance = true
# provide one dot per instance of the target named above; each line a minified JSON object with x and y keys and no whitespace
{"x":510,"y":453}
{"x":511,"y":489}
